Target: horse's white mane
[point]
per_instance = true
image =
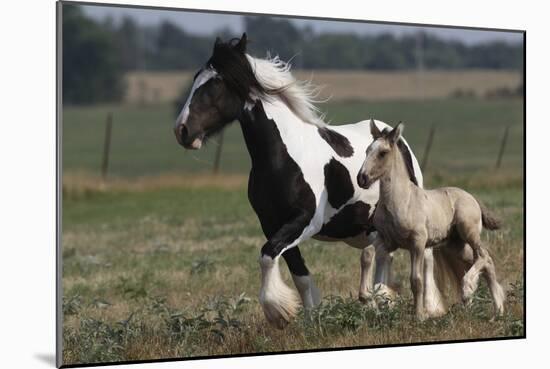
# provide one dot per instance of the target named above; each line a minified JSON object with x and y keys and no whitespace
{"x":300,"y":96}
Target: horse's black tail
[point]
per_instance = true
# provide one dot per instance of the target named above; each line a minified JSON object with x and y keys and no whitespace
{"x":488,"y":219}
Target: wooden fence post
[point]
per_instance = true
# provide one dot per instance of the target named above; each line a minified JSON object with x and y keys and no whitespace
{"x":106,"y":146}
{"x":428,"y":148}
{"x":217,"y":158}
{"x":502,"y":147}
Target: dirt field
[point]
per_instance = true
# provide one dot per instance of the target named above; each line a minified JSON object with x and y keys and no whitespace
{"x":157,"y":87}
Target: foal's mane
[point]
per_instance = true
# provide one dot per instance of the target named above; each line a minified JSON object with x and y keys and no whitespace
{"x":268,"y":78}
{"x":406,"y":156}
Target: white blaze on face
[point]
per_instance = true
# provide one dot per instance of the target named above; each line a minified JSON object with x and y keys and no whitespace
{"x":201,"y":79}
{"x":373,"y":148}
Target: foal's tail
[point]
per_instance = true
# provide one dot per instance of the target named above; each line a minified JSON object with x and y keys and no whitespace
{"x":488,"y":219}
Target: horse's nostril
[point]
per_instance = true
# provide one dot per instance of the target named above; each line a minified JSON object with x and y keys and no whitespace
{"x":181,"y":132}
{"x":362,"y":180}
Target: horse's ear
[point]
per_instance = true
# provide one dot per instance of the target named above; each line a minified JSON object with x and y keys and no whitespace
{"x":374,"y":131}
{"x":395,"y":134}
{"x":217,"y":42}
{"x":241,"y":45}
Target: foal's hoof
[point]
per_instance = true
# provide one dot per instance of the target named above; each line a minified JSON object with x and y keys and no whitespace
{"x":467,"y":293}
{"x":421,"y":317}
{"x":499,"y":311}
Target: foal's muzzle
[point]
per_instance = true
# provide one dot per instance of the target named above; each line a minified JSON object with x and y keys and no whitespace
{"x":363,"y":180}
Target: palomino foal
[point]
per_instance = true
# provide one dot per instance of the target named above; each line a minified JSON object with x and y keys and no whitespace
{"x":413,"y":218}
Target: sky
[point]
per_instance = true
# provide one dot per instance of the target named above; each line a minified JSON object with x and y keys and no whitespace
{"x":207,"y":23}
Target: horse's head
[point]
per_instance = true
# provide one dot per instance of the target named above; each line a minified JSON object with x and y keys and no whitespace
{"x":379,"y":154}
{"x":217,"y":96}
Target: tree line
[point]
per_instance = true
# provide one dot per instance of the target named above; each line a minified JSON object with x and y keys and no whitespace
{"x":97,"y":54}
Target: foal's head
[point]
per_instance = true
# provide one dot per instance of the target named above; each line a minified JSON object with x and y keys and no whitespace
{"x":220,"y":89}
{"x":380,"y":154}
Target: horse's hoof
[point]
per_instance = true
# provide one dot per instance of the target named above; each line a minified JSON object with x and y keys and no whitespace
{"x":279,"y":323}
{"x":275,"y":319}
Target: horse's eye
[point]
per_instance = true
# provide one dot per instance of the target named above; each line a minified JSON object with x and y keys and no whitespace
{"x":381,"y":154}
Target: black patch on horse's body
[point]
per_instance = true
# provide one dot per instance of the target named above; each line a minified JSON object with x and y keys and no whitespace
{"x":339,"y":143}
{"x":295,"y":261}
{"x":351,"y":221}
{"x":338,"y":183}
{"x":404,"y":150}
{"x":277,"y":190}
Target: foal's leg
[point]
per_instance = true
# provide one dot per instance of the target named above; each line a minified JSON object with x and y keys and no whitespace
{"x":383,"y":276}
{"x":367,"y":269}
{"x":433,"y":301}
{"x":384,"y":260}
{"x":469,"y":230}
{"x":417,"y":269}
{"x":302,"y":278}
{"x":497,"y":292}
{"x":471,"y":235}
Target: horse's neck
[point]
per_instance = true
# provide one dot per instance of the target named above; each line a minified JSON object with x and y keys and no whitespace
{"x":264,"y":126}
{"x":395,"y":186}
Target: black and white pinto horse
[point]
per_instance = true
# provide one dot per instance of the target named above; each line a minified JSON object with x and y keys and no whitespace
{"x":302,"y":183}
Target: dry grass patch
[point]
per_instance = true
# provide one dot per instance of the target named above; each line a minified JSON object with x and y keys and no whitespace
{"x":155,"y":87}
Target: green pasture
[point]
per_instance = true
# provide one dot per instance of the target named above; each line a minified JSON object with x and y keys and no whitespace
{"x":171,"y":270}
{"x":174,"y":273}
{"x":468,"y":134}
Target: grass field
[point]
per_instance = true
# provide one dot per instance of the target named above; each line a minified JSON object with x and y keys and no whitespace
{"x":467,"y":138}
{"x":162,"y":260}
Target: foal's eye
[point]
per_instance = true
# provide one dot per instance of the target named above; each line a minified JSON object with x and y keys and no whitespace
{"x":382,"y":154}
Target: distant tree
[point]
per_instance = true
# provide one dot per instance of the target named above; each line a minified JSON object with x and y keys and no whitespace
{"x":495,"y":55}
{"x":92,"y":71}
{"x":273,"y":35}
{"x":176,"y":49}
{"x":334,"y":51}
{"x":128,"y":44}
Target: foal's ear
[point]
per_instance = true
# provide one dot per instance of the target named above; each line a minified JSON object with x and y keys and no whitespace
{"x":395,"y":134}
{"x":374,"y":131}
{"x":241,"y":45}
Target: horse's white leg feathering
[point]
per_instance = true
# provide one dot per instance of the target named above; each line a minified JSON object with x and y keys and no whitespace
{"x":279,"y":302}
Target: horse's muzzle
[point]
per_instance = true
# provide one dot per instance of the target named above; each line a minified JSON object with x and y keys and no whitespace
{"x":180,"y":131}
{"x":185,"y":139}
